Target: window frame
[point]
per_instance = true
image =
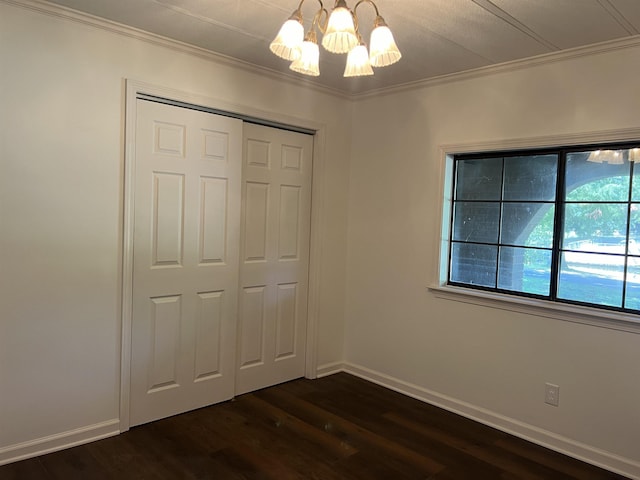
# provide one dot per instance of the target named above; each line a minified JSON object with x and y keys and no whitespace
{"x":572,"y":311}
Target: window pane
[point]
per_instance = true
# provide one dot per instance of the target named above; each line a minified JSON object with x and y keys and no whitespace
{"x":525,"y":270}
{"x":530,"y":178}
{"x":635,"y":192}
{"x":543,"y":230}
{"x":476,"y":221}
{"x":634,"y":229}
{"x":520,"y":220}
{"x":632,"y":295}
{"x":590,"y":181}
{"x":474,"y":264}
{"x":595,"y":227}
{"x":479,"y":179}
{"x":591,"y":278}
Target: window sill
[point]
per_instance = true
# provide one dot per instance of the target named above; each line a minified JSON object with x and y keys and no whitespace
{"x":541,"y":308}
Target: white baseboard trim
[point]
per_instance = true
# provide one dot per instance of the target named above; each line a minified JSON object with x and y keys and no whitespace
{"x":564,"y":445}
{"x":329,"y":369}
{"x":60,"y":441}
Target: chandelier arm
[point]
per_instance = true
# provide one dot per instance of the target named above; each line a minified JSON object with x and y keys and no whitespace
{"x":302,"y":1}
{"x":369,"y":2}
{"x":322,"y":26}
{"x":319,"y":1}
{"x":317,"y":18}
{"x":356,"y":25}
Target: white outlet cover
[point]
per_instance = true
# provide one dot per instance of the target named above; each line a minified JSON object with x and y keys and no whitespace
{"x":551,"y":394}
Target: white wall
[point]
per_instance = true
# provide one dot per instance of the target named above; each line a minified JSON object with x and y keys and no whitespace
{"x":488,"y":363}
{"x":62,"y":85}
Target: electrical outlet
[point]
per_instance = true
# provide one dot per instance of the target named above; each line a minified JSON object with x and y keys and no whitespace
{"x":551,"y":394}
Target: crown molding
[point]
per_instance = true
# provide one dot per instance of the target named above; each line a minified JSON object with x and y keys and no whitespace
{"x":59,"y":11}
{"x":506,"y":67}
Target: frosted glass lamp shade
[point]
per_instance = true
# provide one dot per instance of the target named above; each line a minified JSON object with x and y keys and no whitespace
{"x":595,"y":156}
{"x":612,"y":157}
{"x":358,"y":63}
{"x":288,"y":41}
{"x":307,"y":64}
{"x":634,"y":155}
{"x":384,"y":50}
{"x":340,"y":35}
{"x":615,"y":158}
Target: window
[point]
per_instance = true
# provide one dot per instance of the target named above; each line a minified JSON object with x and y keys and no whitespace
{"x":558,"y":224}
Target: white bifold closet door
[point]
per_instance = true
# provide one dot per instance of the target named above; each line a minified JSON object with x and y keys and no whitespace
{"x":186,"y":250}
{"x":274,"y":257}
{"x":220,"y":260}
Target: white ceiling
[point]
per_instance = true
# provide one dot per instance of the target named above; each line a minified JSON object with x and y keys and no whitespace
{"x":436,"y":37}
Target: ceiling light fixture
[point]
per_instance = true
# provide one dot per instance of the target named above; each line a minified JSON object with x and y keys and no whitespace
{"x":341,"y":34}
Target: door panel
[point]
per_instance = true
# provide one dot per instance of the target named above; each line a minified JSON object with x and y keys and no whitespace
{"x":276,"y":219}
{"x":186,"y":260}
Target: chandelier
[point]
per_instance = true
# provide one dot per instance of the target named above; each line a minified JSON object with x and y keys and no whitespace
{"x":340,"y":34}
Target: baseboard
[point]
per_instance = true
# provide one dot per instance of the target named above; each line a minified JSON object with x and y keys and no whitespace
{"x":329,"y":369}
{"x":564,"y":445}
{"x":53,"y":443}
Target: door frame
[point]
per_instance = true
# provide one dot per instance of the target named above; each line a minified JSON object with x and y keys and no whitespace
{"x":135,"y":89}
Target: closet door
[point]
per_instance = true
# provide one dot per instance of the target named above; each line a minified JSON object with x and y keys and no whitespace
{"x":276,"y":211}
{"x":186,"y":251}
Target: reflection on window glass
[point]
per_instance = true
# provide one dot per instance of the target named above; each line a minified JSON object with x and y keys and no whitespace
{"x":524,"y":183}
{"x":476,"y":221}
{"x":632,"y":294}
{"x":634,"y":154}
{"x":474,"y":264}
{"x":515,"y":215}
{"x":595,"y":227}
{"x":589,"y":181}
{"x":526,"y":270}
{"x":479,"y":179}
{"x":591,"y":278}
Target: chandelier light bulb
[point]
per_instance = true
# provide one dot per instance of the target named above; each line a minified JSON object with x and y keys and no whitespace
{"x":340,"y":35}
{"x":595,"y":157}
{"x":289,"y":39}
{"x":358,"y":62}
{"x":308,"y":62}
{"x":384,"y":50}
{"x":616,"y":158}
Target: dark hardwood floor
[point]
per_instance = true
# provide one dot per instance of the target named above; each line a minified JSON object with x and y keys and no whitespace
{"x":337,"y":427}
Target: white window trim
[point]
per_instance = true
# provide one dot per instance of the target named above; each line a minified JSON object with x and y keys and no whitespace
{"x":532,"y":306}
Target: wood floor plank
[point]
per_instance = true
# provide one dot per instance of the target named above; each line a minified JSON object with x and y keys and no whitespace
{"x":522,"y":467}
{"x":406,"y":442}
{"x":560,"y":463}
{"x":259,"y":442}
{"x":336,"y":428}
{"x":354,"y":433}
{"x":31,"y":469}
{"x":279,"y":418}
{"x":73,"y":463}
